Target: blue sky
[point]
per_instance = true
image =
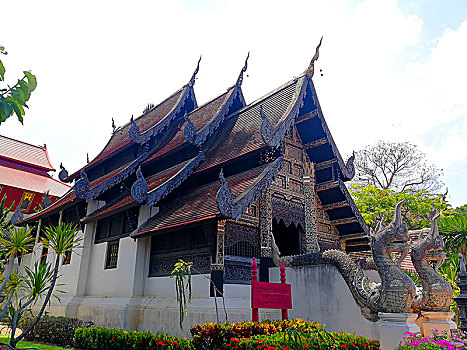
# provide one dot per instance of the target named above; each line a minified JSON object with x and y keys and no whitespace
{"x":393,"y":70}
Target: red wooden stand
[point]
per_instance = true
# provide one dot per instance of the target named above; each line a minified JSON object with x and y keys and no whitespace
{"x":269,"y":295}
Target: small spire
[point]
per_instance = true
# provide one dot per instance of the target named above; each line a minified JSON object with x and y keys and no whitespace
{"x":310,"y":71}
{"x":240,"y":77}
{"x":113,"y":126}
{"x":193,"y":77}
{"x":87,"y":157}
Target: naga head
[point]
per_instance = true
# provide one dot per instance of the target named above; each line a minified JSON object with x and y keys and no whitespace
{"x":430,"y":245}
{"x":395,"y":236}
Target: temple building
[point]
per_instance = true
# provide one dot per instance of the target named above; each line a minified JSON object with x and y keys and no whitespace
{"x":25,"y":178}
{"x":214,"y":185}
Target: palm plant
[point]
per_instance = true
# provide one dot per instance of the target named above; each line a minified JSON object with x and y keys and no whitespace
{"x":59,"y":240}
{"x":454,"y":229}
{"x":13,"y":287}
{"x":15,"y":240}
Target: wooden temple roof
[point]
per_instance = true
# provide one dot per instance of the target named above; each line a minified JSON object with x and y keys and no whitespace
{"x":196,"y":205}
{"x":181,"y":168}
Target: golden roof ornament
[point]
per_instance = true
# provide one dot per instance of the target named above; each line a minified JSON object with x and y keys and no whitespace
{"x":310,"y":71}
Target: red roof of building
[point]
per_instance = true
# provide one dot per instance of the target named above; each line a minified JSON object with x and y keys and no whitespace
{"x":25,"y":153}
{"x":31,"y":182}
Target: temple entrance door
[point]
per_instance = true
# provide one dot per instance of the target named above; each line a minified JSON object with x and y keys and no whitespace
{"x":287,"y":238}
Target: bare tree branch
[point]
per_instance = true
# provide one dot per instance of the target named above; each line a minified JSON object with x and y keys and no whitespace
{"x":397,"y":166}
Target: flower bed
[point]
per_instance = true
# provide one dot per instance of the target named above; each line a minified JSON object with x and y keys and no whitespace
{"x":436,"y":341}
{"x":268,"y":335}
{"x":317,"y":339}
{"x":218,"y":335}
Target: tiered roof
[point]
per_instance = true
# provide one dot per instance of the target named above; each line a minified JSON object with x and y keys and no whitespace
{"x":25,"y":153}
{"x":175,"y":165}
{"x":25,"y":166}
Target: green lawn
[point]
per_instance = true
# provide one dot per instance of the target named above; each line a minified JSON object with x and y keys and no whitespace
{"x":24,"y":344}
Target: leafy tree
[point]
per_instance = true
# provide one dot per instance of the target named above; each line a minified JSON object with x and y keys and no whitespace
{"x":13,"y":98}
{"x":396,"y":166}
{"x":375,"y":204}
{"x":461,"y":210}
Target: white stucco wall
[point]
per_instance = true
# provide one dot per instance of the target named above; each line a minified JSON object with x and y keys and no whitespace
{"x":112,"y":282}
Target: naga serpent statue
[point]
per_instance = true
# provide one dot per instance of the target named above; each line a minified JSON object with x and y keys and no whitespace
{"x":436,"y":294}
{"x":396,"y":291}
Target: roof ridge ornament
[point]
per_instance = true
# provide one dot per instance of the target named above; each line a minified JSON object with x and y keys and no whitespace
{"x":310,"y":71}
{"x":267,"y":130}
{"x":235,"y":208}
{"x":240,"y":77}
{"x":46,"y":201}
{"x":17,"y":216}
{"x":82,"y":185}
{"x":193,"y":77}
{"x":224,"y":197}
{"x":349,"y":171}
{"x":189,"y":131}
{"x":134,"y":133}
{"x":63,"y":174}
{"x":139,"y":189}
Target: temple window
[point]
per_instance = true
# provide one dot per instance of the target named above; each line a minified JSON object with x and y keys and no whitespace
{"x":26,"y":200}
{"x":74,"y":214}
{"x":188,"y":244}
{"x":116,"y":226}
{"x":112,"y":255}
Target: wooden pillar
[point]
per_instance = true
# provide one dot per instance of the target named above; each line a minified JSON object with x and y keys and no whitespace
{"x":265,"y":232}
{"x":310,"y":238}
{"x":254,"y":278}
{"x":217,"y":268}
{"x":285,"y":314}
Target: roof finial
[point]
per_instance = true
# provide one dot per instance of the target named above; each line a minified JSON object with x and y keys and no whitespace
{"x":240,"y":77}
{"x":311,"y":68}
{"x":113,"y":126}
{"x":87,"y":157}
{"x":193,"y":77}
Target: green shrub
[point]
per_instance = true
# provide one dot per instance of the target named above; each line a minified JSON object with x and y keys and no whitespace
{"x":55,"y":330}
{"x":118,"y":339}
{"x":217,"y":335}
{"x":318,"y":339}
